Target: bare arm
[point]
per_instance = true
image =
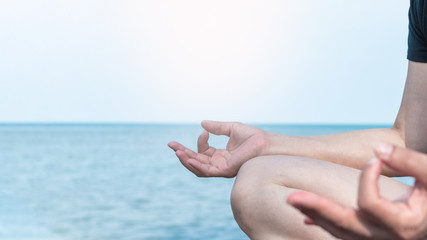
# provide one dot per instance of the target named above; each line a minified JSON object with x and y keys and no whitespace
{"x":376,"y":217}
{"x":414,"y":107}
{"x":355,"y":148}
{"x":352,"y":149}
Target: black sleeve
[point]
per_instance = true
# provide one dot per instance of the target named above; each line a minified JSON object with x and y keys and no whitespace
{"x":417,"y":44}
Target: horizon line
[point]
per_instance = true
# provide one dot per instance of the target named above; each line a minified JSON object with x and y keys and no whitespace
{"x":112,"y":123}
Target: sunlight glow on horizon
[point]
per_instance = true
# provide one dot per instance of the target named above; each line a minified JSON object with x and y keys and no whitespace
{"x":184,"y":61}
{"x":213,"y":52}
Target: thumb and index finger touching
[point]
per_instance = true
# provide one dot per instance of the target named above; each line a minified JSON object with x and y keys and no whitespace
{"x":214,"y":127}
{"x":403,"y":160}
{"x":218,"y":128}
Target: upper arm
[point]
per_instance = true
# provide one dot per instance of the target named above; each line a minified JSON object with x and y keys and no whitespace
{"x":411,"y":121}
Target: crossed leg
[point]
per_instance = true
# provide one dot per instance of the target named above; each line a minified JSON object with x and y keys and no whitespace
{"x":262,"y":185}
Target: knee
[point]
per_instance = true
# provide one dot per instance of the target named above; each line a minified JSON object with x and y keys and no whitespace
{"x":258,"y":198}
{"x":247,"y":181}
{"x":258,"y":173}
{"x":245,"y":195}
{"x":253,"y":190}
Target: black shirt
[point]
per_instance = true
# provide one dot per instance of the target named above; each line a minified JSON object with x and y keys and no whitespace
{"x":417,"y":39}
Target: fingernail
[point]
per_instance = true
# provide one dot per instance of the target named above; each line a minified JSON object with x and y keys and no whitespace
{"x":308,"y":221}
{"x":384,"y":150}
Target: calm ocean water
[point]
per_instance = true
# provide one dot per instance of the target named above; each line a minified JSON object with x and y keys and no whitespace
{"x":114,"y":182}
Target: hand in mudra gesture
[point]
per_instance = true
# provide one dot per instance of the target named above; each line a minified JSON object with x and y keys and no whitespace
{"x":245,"y":142}
{"x":376,"y":217}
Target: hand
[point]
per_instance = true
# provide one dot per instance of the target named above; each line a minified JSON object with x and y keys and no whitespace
{"x":245,"y":142}
{"x":377,"y":217}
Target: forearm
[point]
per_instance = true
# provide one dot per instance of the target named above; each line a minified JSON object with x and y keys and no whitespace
{"x":351,"y":149}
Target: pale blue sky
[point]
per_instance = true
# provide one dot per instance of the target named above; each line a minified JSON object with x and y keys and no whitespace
{"x":281,"y":61}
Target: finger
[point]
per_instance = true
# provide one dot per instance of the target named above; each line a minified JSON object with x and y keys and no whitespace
{"x":218,"y":128}
{"x":208,"y":170}
{"x":176,"y":146}
{"x":403,"y":160}
{"x":200,"y":157}
{"x":417,"y":199}
{"x":202,"y":142}
{"x":369,"y":200}
{"x":190,"y":153}
{"x":205,"y":169}
{"x":331,"y":227}
{"x":340,"y":221}
{"x":203,"y":145}
{"x":368,"y":182}
{"x":321,"y":206}
{"x":183,"y":158}
{"x":357,"y":228}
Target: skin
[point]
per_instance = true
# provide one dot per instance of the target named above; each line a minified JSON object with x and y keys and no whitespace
{"x":246,"y":142}
{"x":267,"y":160}
{"x":259,"y":194}
{"x":375,"y":217}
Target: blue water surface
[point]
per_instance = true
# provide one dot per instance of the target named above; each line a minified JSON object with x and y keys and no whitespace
{"x":100,"y":181}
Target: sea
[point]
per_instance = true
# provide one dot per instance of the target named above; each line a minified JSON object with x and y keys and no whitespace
{"x":116,"y":181}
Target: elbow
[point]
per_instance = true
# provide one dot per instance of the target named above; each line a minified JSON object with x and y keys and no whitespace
{"x":415,"y":139}
{"x":411,"y":132}
{"x":399,"y":130}
{"x":415,"y":135}
{"x":416,"y":144}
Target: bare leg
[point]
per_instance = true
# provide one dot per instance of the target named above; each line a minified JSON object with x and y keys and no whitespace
{"x":262,"y":185}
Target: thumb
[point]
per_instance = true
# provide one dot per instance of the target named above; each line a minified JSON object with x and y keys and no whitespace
{"x":218,"y":128}
{"x":403,"y":160}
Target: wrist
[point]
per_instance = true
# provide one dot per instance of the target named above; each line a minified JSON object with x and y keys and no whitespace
{"x":275,"y":144}
{"x":279,"y":144}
